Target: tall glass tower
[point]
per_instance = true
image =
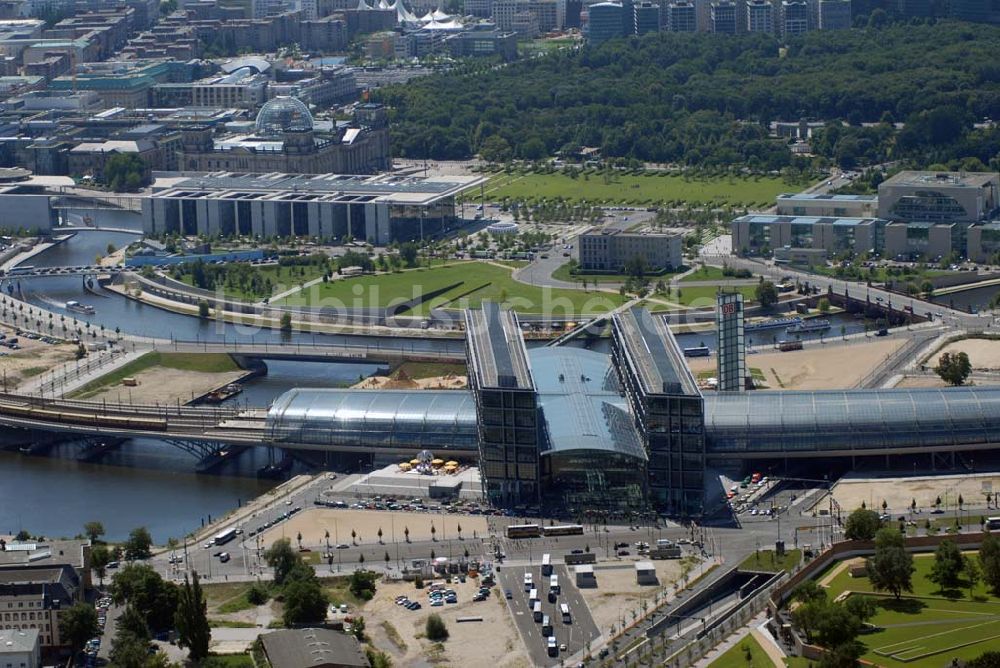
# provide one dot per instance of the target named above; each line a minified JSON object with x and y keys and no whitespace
{"x":732,"y":359}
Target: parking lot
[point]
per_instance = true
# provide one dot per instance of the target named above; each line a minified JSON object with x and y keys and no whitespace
{"x":573,"y":635}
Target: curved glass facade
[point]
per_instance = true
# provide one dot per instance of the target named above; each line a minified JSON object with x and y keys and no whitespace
{"x":433,"y":419}
{"x":851,"y":421}
{"x":283,"y":113}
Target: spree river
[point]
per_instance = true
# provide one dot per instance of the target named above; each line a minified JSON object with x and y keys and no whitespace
{"x":145,"y":481}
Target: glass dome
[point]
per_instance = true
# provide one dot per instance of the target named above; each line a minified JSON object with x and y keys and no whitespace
{"x":283,"y":113}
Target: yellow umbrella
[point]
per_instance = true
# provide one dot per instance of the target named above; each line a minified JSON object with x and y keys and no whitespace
{"x":437,"y":462}
{"x":405,"y":466}
{"x":414,"y":462}
{"x":452,"y":463}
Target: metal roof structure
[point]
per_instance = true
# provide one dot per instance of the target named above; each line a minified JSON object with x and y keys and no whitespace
{"x":498,"y":355}
{"x":845,"y":421}
{"x":826,"y":197}
{"x":384,"y":187}
{"x":767,"y":219}
{"x":654,"y":351}
{"x":581,"y":404}
{"x":376,"y":419}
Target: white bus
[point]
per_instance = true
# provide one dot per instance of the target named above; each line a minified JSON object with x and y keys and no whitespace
{"x":546,"y":626}
{"x":225,"y":536}
{"x":537,"y":610}
{"x":554,"y":584}
{"x":532,"y":597}
{"x":546,"y":564}
{"x":567,"y":618}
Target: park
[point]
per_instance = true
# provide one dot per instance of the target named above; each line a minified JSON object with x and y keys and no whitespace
{"x":642,"y":189}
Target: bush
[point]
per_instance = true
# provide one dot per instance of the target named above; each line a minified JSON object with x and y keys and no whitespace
{"x":362,"y":584}
{"x":435,"y":629}
{"x":258,"y":594}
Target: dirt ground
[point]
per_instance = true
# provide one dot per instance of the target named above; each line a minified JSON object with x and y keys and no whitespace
{"x":313,"y":523}
{"x":491,"y":642}
{"x":921,"y":381}
{"x":33,"y":359}
{"x":617,"y":592}
{"x":983,"y":353}
{"x":167,"y":386}
{"x":829,"y":367}
{"x":449,"y":382}
{"x":900,"y":492}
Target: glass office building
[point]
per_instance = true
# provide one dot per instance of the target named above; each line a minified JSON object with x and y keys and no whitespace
{"x":732,"y":361}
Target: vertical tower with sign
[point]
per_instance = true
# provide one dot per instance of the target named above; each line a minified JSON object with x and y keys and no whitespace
{"x":732,"y":362}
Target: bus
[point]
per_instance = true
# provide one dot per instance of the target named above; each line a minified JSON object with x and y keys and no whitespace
{"x":533,"y":597}
{"x":20,"y":269}
{"x":564,"y":530}
{"x":524,"y":531}
{"x":546,"y":626}
{"x":697,"y":351}
{"x":225,"y":536}
{"x":554,"y":584}
{"x":546,"y":564}
{"x":564,"y":609}
{"x":993,"y":523}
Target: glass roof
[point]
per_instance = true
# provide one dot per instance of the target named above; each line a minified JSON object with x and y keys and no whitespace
{"x":851,"y":420}
{"x":400,"y":419}
{"x":581,"y":406}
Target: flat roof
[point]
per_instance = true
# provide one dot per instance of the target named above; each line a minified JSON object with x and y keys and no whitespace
{"x":497,"y":352}
{"x":768,"y":219}
{"x":18,"y":640}
{"x":949,"y":179}
{"x":825,"y":197}
{"x":277,"y":185}
{"x":644,"y":566}
{"x":298,"y":648}
{"x":655,"y":352}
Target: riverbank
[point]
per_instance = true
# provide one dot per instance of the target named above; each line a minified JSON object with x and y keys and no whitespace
{"x":164,"y":378}
{"x":38,"y":248}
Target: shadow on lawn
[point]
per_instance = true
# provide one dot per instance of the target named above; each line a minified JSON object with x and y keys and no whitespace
{"x":909,"y":606}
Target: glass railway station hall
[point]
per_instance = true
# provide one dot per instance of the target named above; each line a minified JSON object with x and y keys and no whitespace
{"x":577,"y":430}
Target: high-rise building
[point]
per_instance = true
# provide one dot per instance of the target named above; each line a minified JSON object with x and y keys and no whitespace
{"x":604,"y":22}
{"x":667,"y":408}
{"x":573,"y":10}
{"x":732,"y":364}
{"x":794,"y":17}
{"x":724,"y":17}
{"x":977,"y":11}
{"x":506,"y":401}
{"x":834,"y":14}
{"x":914,"y":8}
{"x":646,"y":17}
{"x":681,"y":16}
{"x":760,"y":16}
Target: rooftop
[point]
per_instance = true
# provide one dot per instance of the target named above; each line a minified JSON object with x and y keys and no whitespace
{"x":654,"y":350}
{"x":18,"y":640}
{"x":581,"y":404}
{"x":317,"y":187}
{"x":949,"y":179}
{"x":497,"y":352}
{"x":767,"y":219}
{"x":299,"y":648}
{"x":826,"y":197}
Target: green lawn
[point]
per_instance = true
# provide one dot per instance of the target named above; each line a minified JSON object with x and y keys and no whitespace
{"x":698,"y":296}
{"x":708,"y":273}
{"x":464,"y":285}
{"x":650,"y":188}
{"x":930,"y":627}
{"x":282,"y":278}
{"x":563,"y":274}
{"x":736,"y":656}
{"x":768,"y":562}
{"x":417,"y":370}
{"x":204,"y":362}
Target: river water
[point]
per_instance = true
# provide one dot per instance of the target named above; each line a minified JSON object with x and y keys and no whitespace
{"x":145,"y":481}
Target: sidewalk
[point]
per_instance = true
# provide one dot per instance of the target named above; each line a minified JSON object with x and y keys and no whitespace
{"x":68,"y":377}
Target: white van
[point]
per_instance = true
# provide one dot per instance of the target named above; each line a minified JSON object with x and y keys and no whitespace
{"x":552,"y":646}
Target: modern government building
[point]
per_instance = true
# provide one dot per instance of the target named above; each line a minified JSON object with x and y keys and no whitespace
{"x":574,"y":429}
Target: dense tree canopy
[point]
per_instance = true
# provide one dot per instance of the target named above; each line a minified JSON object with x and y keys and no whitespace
{"x":706,"y":99}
